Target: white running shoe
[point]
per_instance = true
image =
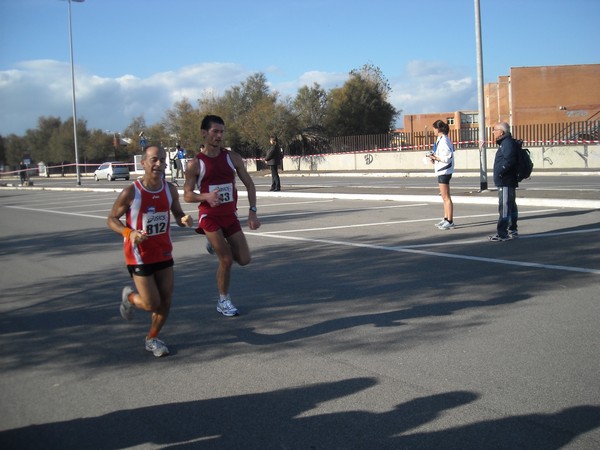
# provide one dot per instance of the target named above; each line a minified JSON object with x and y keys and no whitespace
{"x":127,"y":309}
{"x":157,"y":347}
{"x":226,"y":308}
{"x":440,"y":223}
{"x":446,"y":225}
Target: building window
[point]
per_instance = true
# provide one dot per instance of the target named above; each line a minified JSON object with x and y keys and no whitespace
{"x":450,"y":120}
{"x":469,"y":118}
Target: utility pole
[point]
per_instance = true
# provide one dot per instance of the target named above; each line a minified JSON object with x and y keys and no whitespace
{"x":480,"y":101}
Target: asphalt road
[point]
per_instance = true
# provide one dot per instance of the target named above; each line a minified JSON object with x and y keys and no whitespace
{"x":362,"y":326}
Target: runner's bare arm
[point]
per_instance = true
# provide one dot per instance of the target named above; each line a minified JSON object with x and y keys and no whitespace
{"x":119,"y":208}
{"x":189,"y":188}
{"x":182,"y":219}
{"x":238,"y":163}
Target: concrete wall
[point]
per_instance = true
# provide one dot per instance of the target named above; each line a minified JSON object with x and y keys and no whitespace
{"x":555,"y":157}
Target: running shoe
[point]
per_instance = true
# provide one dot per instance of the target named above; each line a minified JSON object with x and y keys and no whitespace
{"x":127,"y":309}
{"x":226,"y":308}
{"x":209,"y":248}
{"x":498,"y":238}
{"x":440,"y":223}
{"x":446,"y":225}
{"x":513,"y":234}
{"x":157,"y":347}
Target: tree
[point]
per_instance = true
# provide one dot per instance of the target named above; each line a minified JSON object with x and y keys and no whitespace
{"x":183,"y":123}
{"x":16,"y":147}
{"x":132,"y":131}
{"x":360,"y":106}
{"x":373,"y":75}
{"x":39,"y":140}
{"x":99,"y":147}
{"x":310,"y":106}
{"x":250,"y":112}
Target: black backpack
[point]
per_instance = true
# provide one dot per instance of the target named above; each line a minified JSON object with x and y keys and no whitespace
{"x":524,"y":163}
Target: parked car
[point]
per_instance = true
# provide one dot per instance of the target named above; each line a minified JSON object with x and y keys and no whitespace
{"x":111,"y":171}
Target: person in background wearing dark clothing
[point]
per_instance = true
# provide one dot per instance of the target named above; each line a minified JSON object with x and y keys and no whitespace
{"x":22,"y":172}
{"x":273,"y":159}
{"x":505,"y":178}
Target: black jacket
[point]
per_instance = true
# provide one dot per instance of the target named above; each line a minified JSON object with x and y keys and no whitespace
{"x":505,"y":162}
{"x":273,"y":157}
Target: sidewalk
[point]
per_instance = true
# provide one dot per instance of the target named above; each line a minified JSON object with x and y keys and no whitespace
{"x":526,"y":194}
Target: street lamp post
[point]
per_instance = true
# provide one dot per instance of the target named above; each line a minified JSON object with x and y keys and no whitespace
{"x":483,"y":183}
{"x":73,"y":87}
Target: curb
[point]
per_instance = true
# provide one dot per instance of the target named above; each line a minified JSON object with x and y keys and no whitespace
{"x":458,"y":199}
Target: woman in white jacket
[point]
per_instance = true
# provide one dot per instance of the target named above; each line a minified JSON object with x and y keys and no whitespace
{"x":443,"y":159}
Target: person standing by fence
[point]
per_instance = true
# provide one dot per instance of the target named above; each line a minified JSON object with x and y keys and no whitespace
{"x":443,"y":159}
{"x":505,"y":179}
{"x":273,"y":159}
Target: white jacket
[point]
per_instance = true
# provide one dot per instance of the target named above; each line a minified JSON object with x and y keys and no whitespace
{"x":444,"y":150}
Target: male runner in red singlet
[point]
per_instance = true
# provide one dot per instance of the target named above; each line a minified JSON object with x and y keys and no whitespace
{"x":147,"y":204}
{"x":210,"y":181}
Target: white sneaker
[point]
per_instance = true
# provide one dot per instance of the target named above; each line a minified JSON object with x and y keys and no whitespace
{"x":127,"y":309}
{"x":226,"y":308}
{"x":440,"y":223}
{"x":157,"y":347}
{"x":446,"y":225}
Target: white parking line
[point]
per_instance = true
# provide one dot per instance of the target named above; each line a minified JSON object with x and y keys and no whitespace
{"x":56,"y":212}
{"x":341,"y":210}
{"x":374,"y":224}
{"x":401,"y":249}
{"x":407,"y":249}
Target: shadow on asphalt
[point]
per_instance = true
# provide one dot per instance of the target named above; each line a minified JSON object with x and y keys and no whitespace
{"x":280,"y":420}
{"x":78,"y":320}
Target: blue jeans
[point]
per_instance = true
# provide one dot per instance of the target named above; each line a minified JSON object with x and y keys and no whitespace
{"x":507,"y":210}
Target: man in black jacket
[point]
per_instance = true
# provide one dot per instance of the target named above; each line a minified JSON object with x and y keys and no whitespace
{"x":505,"y":178}
{"x":273,"y":159}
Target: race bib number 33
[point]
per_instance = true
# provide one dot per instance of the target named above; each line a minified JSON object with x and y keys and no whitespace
{"x":225,"y":191}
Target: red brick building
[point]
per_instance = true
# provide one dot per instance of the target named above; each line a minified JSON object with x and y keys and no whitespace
{"x":528,"y":96}
{"x":548,"y":94}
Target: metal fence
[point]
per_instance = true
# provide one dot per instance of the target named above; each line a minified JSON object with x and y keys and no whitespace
{"x":570,"y":133}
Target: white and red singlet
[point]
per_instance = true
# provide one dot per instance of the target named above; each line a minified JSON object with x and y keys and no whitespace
{"x":149,"y":212}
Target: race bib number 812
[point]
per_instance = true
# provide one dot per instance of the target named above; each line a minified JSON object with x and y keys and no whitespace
{"x":155,"y":223}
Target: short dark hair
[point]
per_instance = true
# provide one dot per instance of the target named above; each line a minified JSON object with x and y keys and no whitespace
{"x":209,"y":119}
{"x":442,"y":126}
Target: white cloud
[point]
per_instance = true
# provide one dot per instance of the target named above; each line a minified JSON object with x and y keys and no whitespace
{"x":430,"y":86}
{"x":43,"y":88}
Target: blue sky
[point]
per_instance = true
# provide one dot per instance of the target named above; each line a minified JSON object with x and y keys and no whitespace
{"x":138,"y":57}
